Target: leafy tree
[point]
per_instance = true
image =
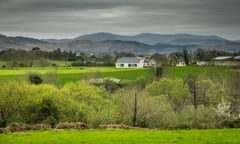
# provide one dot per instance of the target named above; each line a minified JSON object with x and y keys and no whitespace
{"x":173,"y":90}
{"x":185,"y":55}
{"x":12,"y":101}
{"x":161,"y":60}
{"x":191,"y":81}
{"x":131,"y":103}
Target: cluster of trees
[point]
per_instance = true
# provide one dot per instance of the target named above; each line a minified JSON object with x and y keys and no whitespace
{"x":23,"y":58}
{"x":192,"y":102}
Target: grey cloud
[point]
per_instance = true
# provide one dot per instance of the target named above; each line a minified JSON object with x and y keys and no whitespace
{"x":71,"y":17}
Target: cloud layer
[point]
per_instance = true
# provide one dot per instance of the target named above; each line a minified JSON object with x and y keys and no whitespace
{"x":69,"y":18}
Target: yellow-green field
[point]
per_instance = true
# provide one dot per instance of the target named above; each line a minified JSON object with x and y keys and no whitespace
{"x":221,"y":136}
{"x":68,"y":74}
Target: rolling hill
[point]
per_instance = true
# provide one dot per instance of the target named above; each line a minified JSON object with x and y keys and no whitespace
{"x":145,"y":43}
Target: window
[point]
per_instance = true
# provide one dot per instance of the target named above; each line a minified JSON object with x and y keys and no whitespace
{"x":121,"y":65}
{"x":132,"y":65}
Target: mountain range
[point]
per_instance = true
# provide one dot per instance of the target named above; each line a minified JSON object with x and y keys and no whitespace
{"x":145,"y":43}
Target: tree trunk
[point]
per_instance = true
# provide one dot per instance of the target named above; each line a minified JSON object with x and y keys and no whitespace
{"x":195,"y":96}
{"x":135,"y":110}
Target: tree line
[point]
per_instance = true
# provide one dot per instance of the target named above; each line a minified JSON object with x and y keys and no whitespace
{"x":168,"y":103}
{"x":23,"y":58}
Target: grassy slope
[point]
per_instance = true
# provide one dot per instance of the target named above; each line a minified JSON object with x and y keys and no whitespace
{"x":224,"y":136}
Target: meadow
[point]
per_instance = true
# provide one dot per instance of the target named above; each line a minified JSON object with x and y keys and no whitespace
{"x":73,"y":74}
{"x":211,"y":136}
{"x":211,"y":72}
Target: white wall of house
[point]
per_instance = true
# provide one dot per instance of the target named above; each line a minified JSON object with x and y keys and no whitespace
{"x":129,"y":65}
{"x":180,"y":64}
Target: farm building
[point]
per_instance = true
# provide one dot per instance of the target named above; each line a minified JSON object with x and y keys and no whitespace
{"x":227,"y":60}
{"x":149,"y":62}
{"x":130,"y":62}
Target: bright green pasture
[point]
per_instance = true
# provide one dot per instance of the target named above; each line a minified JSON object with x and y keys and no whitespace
{"x":223,"y":136}
{"x":67,"y":74}
{"x":205,"y":71}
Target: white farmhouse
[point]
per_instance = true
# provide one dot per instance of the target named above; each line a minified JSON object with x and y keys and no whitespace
{"x":130,"y":62}
{"x":181,"y":64}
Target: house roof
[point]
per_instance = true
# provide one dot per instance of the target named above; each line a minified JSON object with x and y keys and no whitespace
{"x":237,"y":57}
{"x":129,"y":60}
{"x":223,"y":58}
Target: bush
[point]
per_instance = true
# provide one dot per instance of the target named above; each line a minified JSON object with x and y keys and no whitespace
{"x":40,"y":126}
{"x":44,"y":112}
{"x":2,"y":130}
{"x":54,"y":65}
{"x":65,"y":125}
{"x":15,"y":127}
{"x":115,"y":126}
{"x":111,"y":86}
{"x":234,"y":123}
{"x":51,"y":121}
{"x":77,"y":125}
{"x":35,"y":78}
{"x":80,"y":125}
{"x":77,"y":63}
{"x":22,"y":65}
{"x":4,"y":66}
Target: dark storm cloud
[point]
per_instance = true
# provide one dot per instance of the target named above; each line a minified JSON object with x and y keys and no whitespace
{"x":64,"y":18}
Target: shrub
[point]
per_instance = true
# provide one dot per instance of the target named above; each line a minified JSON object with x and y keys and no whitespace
{"x":54,"y":65}
{"x":35,"y":78}
{"x":234,"y":123}
{"x":15,"y":127}
{"x":3,"y":66}
{"x":44,"y":112}
{"x":64,"y":125}
{"x":111,"y":85}
{"x":76,"y":125}
{"x":2,"y":130}
{"x":80,"y":125}
{"x":51,"y":121}
{"x":115,"y":126}
{"x":40,"y":126}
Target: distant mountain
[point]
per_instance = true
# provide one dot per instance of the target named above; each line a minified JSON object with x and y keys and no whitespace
{"x":26,"y":43}
{"x":145,"y":43}
{"x":109,"y":46}
{"x":152,"y":39}
{"x":57,"y":41}
{"x":148,"y":38}
{"x":113,"y":46}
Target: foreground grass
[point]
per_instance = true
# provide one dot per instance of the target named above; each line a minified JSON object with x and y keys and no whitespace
{"x":224,"y":136}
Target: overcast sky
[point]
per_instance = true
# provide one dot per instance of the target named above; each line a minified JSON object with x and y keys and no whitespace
{"x":71,"y":18}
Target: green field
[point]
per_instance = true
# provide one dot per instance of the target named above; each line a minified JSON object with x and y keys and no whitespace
{"x":73,"y":74}
{"x":224,"y":136}
{"x":206,"y":71}
{"x":69,"y":74}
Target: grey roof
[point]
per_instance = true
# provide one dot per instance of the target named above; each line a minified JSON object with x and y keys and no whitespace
{"x":237,"y":57}
{"x":223,"y":58}
{"x":128,"y":60}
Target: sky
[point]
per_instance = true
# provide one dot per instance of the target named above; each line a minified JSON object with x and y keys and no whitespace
{"x":71,"y":18}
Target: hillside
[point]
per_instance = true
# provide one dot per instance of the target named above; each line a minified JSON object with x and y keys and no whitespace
{"x":145,"y":43}
{"x":26,"y":43}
